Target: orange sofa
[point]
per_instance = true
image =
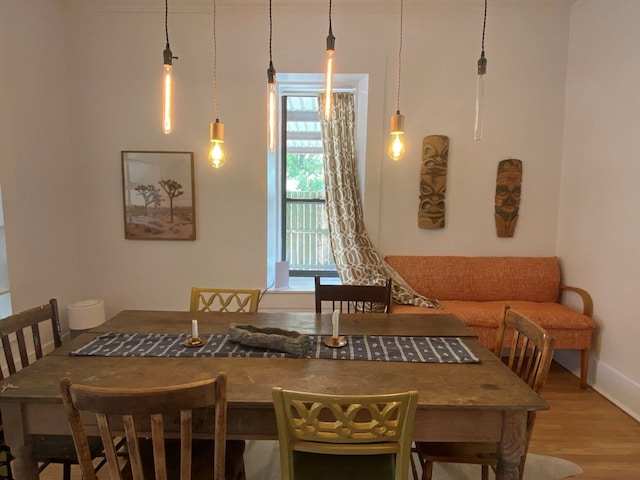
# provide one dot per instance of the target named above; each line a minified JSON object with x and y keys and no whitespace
{"x":475,"y":289}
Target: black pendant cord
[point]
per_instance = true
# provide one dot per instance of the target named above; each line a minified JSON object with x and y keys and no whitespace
{"x":167,"y":54}
{"x":482,"y":62}
{"x":215,"y":66}
{"x":399,"y":59}
{"x":271,"y":72}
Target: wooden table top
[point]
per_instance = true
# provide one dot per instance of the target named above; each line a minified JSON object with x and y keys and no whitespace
{"x":488,"y":385}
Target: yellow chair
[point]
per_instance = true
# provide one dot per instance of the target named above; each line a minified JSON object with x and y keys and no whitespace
{"x":224,"y":300}
{"x":530,"y":354}
{"x":138,"y":410}
{"x":344,"y":436}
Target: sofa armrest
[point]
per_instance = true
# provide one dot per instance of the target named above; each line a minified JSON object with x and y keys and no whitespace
{"x":587,"y":302}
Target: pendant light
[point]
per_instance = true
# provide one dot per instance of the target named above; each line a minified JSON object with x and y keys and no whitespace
{"x":167,"y":80}
{"x":331,"y":43}
{"x":482,"y":70}
{"x":216,"y":129}
{"x":396,"y":145}
{"x":271,"y":93}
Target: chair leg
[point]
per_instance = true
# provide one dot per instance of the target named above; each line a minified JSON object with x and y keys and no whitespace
{"x":584,"y":367}
{"x":485,"y":472}
{"x":66,"y":471}
{"x":427,"y":470}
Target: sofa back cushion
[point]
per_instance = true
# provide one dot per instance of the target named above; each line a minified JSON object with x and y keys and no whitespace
{"x":480,"y":279}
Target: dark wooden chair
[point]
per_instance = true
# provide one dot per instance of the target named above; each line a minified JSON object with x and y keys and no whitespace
{"x":530,"y":351}
{"x":353,"y":298}
{"x":144,"y":414}
{"x":25,"y":337}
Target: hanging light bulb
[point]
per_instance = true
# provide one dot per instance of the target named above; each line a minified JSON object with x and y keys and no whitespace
{"x":216,"y":149}
{"x":331,"y":43}
{"x":271,"y":94}
{"x":482,"y":70}
{"x":396,"y":145}
{"x":216,"y":154}
{"x":167,"y":83}
{"x":271,"y":102}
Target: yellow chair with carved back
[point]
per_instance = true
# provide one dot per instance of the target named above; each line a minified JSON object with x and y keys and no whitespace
{"x":224,"y":300}
{"x":344,"y":436}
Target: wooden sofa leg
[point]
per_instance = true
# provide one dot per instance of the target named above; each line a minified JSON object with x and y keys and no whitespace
{"x":584,"y":367}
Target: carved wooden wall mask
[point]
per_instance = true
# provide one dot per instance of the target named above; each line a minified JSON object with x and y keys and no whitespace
{"x":507,"y":200}
{"x":433,"y":181}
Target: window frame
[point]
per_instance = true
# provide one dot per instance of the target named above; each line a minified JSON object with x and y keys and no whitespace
{"x":309,"y":83}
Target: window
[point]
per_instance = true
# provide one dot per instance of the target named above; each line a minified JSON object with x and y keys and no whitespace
{"x":305,"y":233}
{"x":5,"y":295}
{"x":297,"y":220}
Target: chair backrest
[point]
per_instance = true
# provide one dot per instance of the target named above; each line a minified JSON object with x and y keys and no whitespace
{"x":140,"y":413}
{"x":224,"y":300}
{"x":530,"y":348}
{"x":344,"y":425}
{"x":353,"y":298}
{"x":28,"y":330}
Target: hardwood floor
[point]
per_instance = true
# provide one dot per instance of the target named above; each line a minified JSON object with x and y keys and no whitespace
{"x":584,"y":427}
{"x":581,"y":426}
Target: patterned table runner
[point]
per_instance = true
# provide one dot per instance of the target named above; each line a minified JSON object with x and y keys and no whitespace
{"x":359,"y":347}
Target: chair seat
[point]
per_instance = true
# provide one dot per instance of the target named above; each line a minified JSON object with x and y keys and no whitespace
{"x":60,"y":448}
{"x":320,"y":466}
{"x":202,"y":459}
{"x":459,"y":452}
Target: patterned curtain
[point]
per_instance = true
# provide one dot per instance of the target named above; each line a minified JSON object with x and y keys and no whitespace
{"x":357,"y":261}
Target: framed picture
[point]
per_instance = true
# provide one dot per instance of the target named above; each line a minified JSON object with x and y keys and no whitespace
{"x":158,"y":195}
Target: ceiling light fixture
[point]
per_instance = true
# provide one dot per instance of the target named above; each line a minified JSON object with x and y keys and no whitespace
{"x":331,"y":43}
{"x":216,"y":129}
{"x":482,"y":69}
{"x":397,"y":143}
{"x":167,"y":93}
{"x":271,"y":93}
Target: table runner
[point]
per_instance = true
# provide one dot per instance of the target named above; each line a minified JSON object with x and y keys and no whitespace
{"x":359,"y":347}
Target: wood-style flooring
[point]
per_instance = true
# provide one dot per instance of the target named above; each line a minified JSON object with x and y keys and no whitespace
{"x":584,"y":427}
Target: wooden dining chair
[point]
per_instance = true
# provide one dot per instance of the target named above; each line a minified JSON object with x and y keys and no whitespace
{"x":146,"y":415}
{"x":224,"y":300}
{"x":27,"y":336}
{"x":529,"y":351}
{"x":344,"y":436}
{"x":353,"y":298}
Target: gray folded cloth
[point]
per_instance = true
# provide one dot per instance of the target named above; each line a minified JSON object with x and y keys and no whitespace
{"x":281,"y":340}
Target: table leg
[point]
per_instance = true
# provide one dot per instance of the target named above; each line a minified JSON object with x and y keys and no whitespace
{"x":512,"y":446}
{"x":24,"y":465}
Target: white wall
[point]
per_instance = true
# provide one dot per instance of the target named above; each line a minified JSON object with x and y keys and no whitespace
{"x":599,"y":227}
{"x":36,"y":172}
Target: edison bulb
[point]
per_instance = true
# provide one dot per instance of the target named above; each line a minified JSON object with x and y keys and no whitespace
{"x":396,"y":146}
{"x":167,"y":110}
{"x":216,"y":154}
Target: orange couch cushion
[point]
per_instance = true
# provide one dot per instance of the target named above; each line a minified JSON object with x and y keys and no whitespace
{"x":480,"y":279}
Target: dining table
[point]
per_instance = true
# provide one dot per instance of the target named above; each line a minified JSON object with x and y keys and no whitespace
{"x":481,"y":401}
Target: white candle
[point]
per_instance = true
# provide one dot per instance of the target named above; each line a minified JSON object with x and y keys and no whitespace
{"x":335,"y":320}
{"x":194,"y":329}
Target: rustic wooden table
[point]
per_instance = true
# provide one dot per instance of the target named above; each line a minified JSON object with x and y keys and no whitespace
{"x":472,"y":402}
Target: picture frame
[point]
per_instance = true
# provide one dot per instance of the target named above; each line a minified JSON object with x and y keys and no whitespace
{"x":158,"y":193}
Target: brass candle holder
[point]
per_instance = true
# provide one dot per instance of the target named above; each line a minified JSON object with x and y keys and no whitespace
{"x":193,"y":342}
{"x":335,"y":342}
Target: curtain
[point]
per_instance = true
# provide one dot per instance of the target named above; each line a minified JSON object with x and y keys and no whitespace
{"x":357,"y":261}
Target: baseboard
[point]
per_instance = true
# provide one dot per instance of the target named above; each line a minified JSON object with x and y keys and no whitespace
{"x":610,"y":383}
